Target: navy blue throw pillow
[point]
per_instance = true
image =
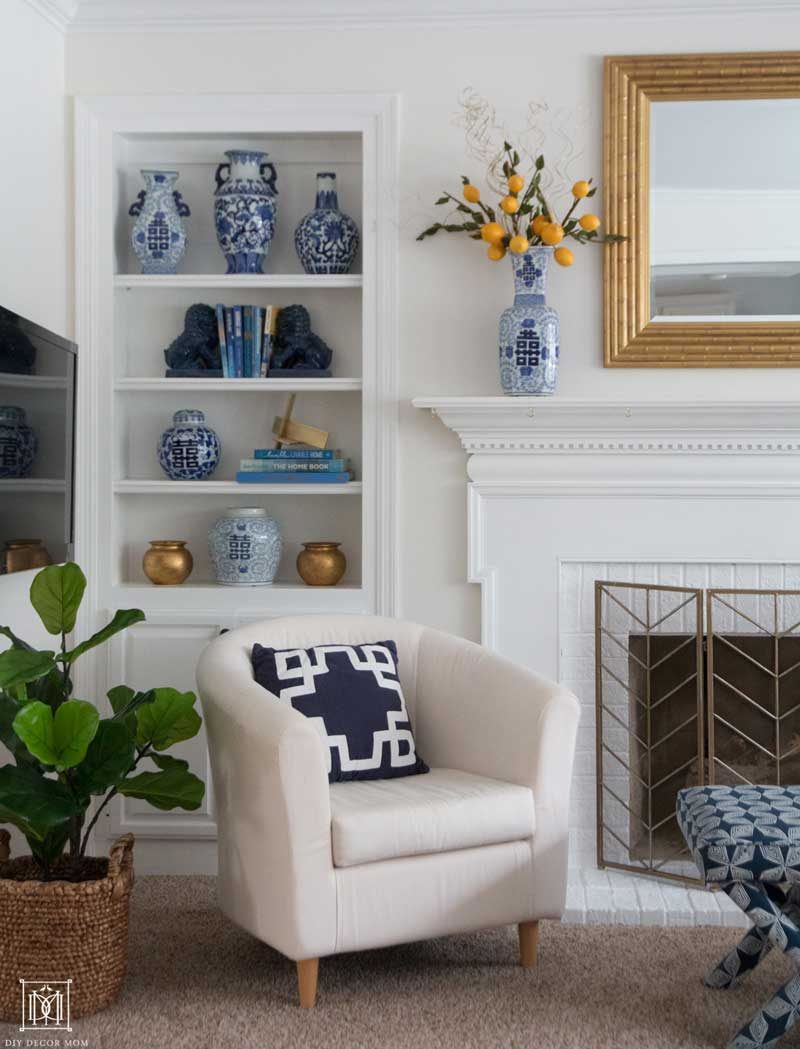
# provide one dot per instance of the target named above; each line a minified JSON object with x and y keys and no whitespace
{"x":352,"y":694}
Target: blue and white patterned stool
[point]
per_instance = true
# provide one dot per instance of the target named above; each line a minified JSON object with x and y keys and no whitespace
{"x":747,"y":841}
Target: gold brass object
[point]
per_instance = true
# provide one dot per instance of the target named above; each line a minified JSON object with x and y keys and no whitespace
{"x":19,"y":555}
{"x":167,"y":562}
{"x":288,"y":432}
{"x":631,"y":338}
{"x":321,"y":564}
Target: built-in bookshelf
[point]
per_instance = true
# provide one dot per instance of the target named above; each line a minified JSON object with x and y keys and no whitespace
{"x":125,"y":320}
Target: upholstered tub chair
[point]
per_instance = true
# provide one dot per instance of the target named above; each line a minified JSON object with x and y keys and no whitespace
{"x":315,"y":869}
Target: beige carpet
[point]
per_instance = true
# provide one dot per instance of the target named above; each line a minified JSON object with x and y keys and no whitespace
{"x":196,"y":981}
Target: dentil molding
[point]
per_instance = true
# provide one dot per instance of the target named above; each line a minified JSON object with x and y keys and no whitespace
{"x":242,"y":15}
{"x":568,"y":427}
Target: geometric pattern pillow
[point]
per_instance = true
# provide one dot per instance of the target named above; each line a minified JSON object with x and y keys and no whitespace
{"x":352,"y":694}
{"x":742,"y":833}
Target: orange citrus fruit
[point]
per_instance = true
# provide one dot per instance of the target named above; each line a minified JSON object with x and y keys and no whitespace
{"x":563,"y":256}
{"x":581,"y":189}
{"x":519,"y":244}
{"x":472,"y":193}
{"x":515,"y":183}
{"x":589,"y":222}
{"x":492,"y":232}
{"x":496,"y":252}
{"x":552,"y":233}
{"x":509,"y":205}
{"x":538,"y":224}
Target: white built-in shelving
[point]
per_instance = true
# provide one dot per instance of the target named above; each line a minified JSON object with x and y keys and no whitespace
{"x":238,"y":281}
{"x":150,"y":384}
{"x":197,"y":489}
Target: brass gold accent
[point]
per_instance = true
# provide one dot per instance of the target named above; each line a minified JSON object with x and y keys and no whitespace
{"x":321,"y":564}
{"x":167,"y":562}
{"x":631,"y":338}
{"x":288,"y":432}
{"x":20,"y":555}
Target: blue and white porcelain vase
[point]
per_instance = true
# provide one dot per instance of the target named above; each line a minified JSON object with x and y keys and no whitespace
{"x":17,"y":443}
{"x":326,"y":240}
{"x":189,"y":450}
{"x":245,"y":546}
{"x":159,"y":237}
{"x":529,"y":330}
{"x":245,"y":209}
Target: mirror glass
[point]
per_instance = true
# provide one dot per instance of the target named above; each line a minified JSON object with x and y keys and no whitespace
{"x":725,"y":209}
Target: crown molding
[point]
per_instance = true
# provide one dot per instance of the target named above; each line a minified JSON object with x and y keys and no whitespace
{"x":102,"y":16}
{"x":59,"y":13}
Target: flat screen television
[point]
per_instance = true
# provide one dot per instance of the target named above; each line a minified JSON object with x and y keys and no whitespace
{"x":37,"y":423}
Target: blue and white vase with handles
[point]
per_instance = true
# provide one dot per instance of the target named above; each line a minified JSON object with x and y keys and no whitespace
{"x":529,"y":330}
{"x":17,"y":442}
{"x":159,"y":236}
{"x":189,"y":450}
{"x":245,"y":545}
{"x":245,"y":209}
{"x":326,"y":240}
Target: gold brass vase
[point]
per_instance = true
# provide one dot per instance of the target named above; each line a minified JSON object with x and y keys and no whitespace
{"x":167,"y":562}
{"x":19,"y":555}
{"x":321,"y":564}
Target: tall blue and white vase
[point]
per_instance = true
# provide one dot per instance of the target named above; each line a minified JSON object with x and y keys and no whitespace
{"x":245,"y":209}
{"x":529,"y":332}
{"x":159,"y":236}
{"x":245,"y":545}
{"x":189,"y":450}
{"x":326,"y":240}
{"x":17,"y":443}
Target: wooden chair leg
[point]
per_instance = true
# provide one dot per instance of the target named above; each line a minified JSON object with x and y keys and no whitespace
{"x":528,"y":943}
{"x":307,"y":982}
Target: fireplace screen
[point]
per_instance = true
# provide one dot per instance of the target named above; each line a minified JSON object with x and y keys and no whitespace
{"x":693,"y":687}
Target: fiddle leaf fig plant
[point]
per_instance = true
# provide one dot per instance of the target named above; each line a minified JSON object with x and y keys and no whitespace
{"x":66,"y":757}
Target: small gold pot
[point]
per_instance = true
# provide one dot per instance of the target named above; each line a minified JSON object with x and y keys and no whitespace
{"x":167,"y":562}
{"x":321,"y":564}
{"x":21,"y":554}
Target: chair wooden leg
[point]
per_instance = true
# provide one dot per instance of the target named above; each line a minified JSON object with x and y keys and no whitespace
{"x":528,"y":943}
{"x":307,"y":982}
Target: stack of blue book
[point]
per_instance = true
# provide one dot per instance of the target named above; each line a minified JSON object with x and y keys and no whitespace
{"x":246,"y":340}
{"x":294,"y":466}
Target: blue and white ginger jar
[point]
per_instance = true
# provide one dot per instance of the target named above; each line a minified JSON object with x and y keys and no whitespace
{"x":159,"y":237}
{"x":245,"y":209}
{"x":189,"y":450}
{"x":17,"y":443}
{"x":529,"y":331}
{"x":326,"y":240}
{"x":245,"y":546}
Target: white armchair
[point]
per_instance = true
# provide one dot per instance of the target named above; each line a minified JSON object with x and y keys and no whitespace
{"x":481,"y":840}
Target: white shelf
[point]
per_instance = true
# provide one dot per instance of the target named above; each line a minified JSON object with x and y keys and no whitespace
{"x":291,"y":598}
{"x":167,"y":487}
{"x":32,"y":484}
{"x":238,"y":280}
{"x":164,"y":385}
{"x":11,"y":380}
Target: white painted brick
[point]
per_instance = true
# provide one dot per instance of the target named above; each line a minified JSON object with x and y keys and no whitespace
{"x":599,"y":905}
{"x":626,"y":905}
{"x":679,"y":910}
{"x":705,"y":907}
{"x":575,"y":906}
{"x":651,"y":903}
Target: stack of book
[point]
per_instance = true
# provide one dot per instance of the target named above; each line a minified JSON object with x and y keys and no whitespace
{"x":246,"y":340}
{"x":294,"y":466}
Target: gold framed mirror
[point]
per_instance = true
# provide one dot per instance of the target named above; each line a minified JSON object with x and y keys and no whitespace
{"x":702,"y":175}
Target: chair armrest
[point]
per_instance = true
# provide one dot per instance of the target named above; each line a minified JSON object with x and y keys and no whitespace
{"x":481,"y":713}
{"x":272,"y":806}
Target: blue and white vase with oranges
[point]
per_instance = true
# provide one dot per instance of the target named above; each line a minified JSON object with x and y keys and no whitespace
{"x":529,"y":331}
{"x":245,"y":209}
{"x":159,"y":237}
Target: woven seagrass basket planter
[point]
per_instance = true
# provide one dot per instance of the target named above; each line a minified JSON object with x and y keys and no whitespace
{"x":62,"y":930}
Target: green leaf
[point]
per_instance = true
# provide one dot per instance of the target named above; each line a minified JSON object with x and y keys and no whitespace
{"x":49,"y":847}
{"x":169,"y":718}
{"x":17,"y":642}
{"x":59,"y":741}
{"x":109,"y":757}
{"x":125,"y":702}
{"x":123,"y":618}
{"x":53,"y":689}
{"x":166,"y":761}
{"x":27,"y":797}
{"x":173,"y":787}
{"x":20,"y":665}
{"x":9,"y":708}
{"x":442,"y":200}
{"x":540,"y":162}
{"x":56,"y":594}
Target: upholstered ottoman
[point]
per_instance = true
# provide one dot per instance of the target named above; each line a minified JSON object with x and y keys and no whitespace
{"x":747,"y":841}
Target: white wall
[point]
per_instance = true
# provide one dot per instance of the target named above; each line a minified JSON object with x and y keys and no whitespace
{"x":451,"y":295}
{"x":35,"y":264}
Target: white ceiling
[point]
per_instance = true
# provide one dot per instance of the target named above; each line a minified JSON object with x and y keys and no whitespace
{"x":217,"y":15}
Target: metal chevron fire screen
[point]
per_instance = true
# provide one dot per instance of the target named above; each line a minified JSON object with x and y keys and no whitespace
{"x":692,"y":687}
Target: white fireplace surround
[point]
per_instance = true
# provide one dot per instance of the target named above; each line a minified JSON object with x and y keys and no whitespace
{"x":563,"y":491}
